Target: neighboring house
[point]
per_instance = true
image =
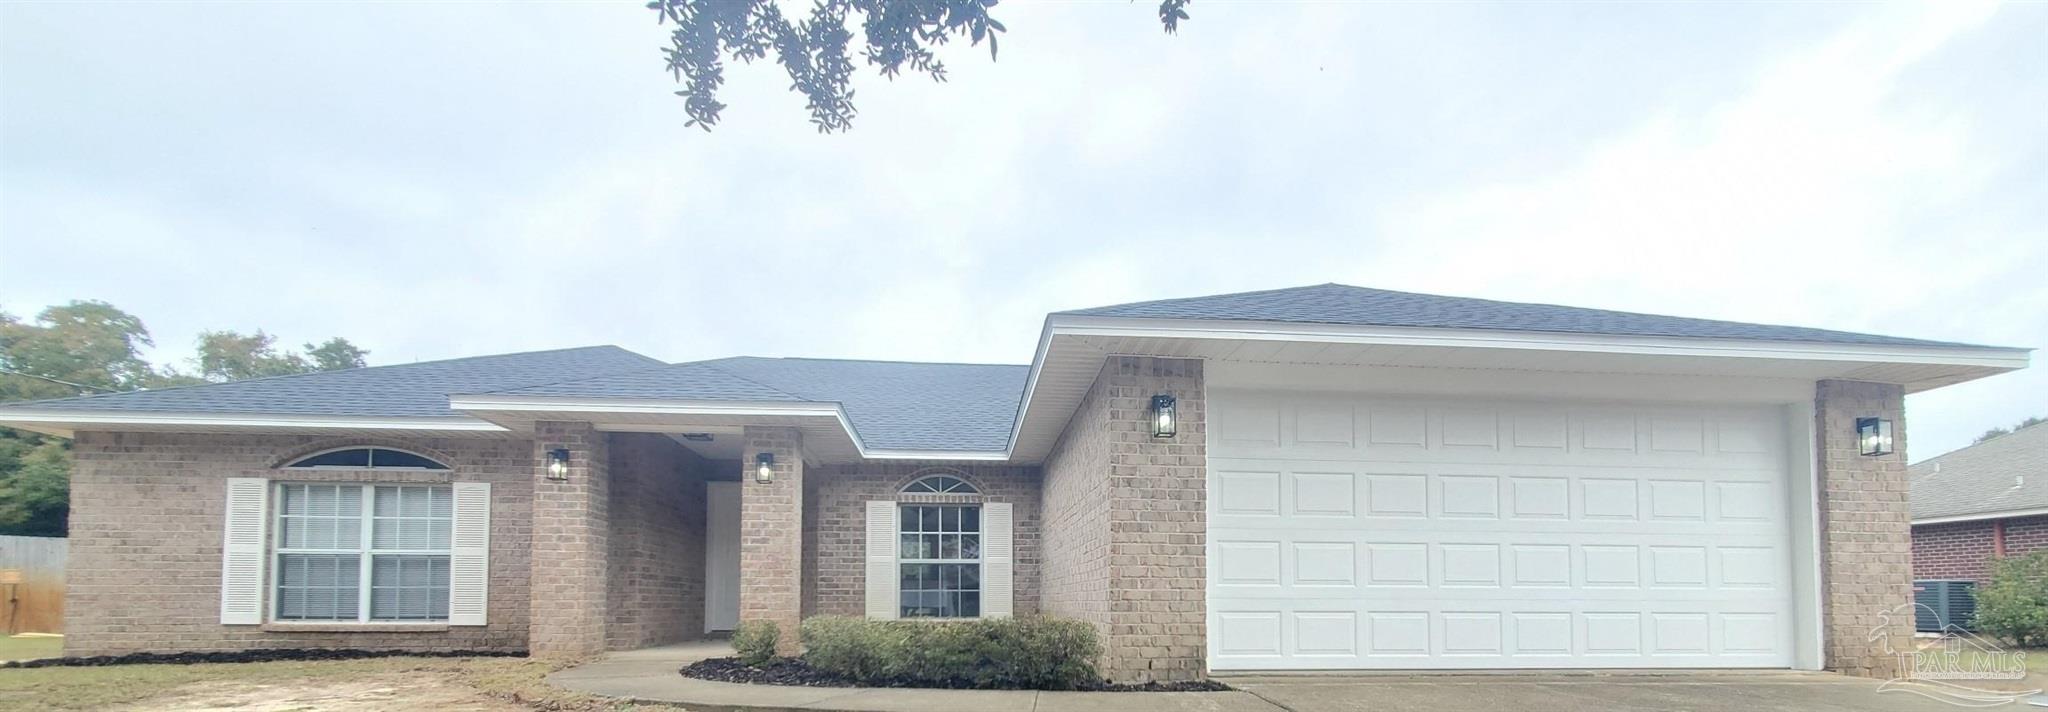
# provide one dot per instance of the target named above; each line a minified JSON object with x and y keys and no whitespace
{"x":1354,"y":478}
{"x":1984,"y":501}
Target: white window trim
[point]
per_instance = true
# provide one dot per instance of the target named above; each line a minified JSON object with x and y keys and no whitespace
{"x":980,"y":567}
{"x":293,"y":464}
{"x":365,"y":555}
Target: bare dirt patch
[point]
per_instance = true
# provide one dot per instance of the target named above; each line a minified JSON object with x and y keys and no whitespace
{"x":381,"y":692}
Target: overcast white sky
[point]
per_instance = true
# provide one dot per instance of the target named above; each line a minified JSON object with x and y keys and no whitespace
{"x":446,"y":179}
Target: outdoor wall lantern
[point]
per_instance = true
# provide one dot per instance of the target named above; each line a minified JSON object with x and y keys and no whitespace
{"x":764,"y":468}
{"x":558,"y":464}
{"x":1165,"y":416}
{"x":1875,"y":434}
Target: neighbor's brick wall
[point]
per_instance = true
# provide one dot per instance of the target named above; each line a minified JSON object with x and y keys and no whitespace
{"x":571,"y":530}
{"x":656,"y":592}
{"x":835,"y":544}
{"x":1866,"y":557}
{"x":145,"y":547}
{"x":1964,"y":550}
{"x":1150,"y":561}
{"x":771,"y":534}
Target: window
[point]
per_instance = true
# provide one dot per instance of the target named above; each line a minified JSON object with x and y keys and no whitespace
{"x":362,"y":552}
{"x":940,"y":484}
{"x":365,"y":457}
{"x":939,"y":559}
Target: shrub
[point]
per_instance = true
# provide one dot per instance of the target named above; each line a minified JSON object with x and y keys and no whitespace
{"x":1034,"y":652}
{"x":754,"y":641}
{"x":2014,"y":606}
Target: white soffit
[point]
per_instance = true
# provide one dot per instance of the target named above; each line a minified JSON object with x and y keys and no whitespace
{"x":65,"y":423}
{"x":1072,"y":348}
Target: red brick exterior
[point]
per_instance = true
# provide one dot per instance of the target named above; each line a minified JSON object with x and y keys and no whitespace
{"x":1964,"y":550}
{"x":571,"y":547}
{"x":1866,"y":548}
{"x":656,"y":594}
{"x":835,"y":518}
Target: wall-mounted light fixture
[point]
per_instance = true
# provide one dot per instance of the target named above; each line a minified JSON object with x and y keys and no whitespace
{"x":1165,"y":416}
{"x":1874,"y":435}
{"x":558,"y":464}
{"x":764,"y":468}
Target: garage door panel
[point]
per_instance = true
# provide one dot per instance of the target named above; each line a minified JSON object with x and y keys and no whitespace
{"x":1348,"y":532}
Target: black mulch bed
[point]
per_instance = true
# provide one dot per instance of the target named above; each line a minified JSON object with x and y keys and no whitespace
{"x":249,"y":656}
{"x":797,"y":673}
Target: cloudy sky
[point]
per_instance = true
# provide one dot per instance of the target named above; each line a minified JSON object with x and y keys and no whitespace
{"x":446,"y":179}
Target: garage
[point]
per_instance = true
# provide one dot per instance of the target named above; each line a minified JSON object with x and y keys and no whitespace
{"x":1359,"y":531}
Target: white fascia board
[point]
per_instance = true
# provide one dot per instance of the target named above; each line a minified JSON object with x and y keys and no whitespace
{"x":565,"y":404}
{"x":1030,"y":385}
{"x":1974,"y":356}
{"x":30,"y":418}
{"x":1983,"y":516}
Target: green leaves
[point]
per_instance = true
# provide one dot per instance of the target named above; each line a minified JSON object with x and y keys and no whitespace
{"x":2014,"y":606}
{"x":895,"y":34}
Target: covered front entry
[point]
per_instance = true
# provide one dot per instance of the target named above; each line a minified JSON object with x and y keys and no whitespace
{"x":1361,"y":531}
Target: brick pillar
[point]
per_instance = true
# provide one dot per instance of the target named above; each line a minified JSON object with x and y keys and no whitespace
{"x":1866,"y":535}
{"x":771,"y":533}
{"x":571,"y":522}
{"x":1158,"y":522}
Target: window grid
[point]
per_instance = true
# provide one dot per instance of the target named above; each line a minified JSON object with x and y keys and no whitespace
{"x":335,"y":543}
{"x":939,"y":561}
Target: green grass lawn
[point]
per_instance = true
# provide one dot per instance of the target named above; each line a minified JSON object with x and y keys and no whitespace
{"x":494,"y":684}
{"x":21,"y":648}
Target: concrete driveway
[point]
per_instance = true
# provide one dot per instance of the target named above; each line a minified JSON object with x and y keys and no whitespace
{"x":1688,"y":692}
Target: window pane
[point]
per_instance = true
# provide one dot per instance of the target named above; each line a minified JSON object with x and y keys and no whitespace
{"x":970,"y":546}
{"x":317,"y":586}
{"x":395,"y":458}
{"x":970,"y":519}
{"x":358,"y":457}
{"x":412,"y":518}
{"x":949,"y":546}
{"x":409,"y":587}
{"x":950,"y":519}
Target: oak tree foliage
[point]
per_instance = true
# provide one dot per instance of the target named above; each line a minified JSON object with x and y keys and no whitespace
{"x":817,"y":48}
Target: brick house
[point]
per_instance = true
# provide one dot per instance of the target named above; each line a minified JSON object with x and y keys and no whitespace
{"x":1324,"y":477}
{"x":1978,"y":503}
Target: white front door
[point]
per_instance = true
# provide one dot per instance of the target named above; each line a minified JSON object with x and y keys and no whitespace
{"x":721,"y":556}
{"x":1353,"y":531}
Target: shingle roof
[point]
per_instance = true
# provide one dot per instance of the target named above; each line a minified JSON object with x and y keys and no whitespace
{"x":2004,"y":474}
{"x":1359,"y":306}
{"x":400,"y":390}
{"x":892,"y":405}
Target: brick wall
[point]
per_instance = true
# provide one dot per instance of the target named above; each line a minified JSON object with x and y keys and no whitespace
{"x":571,"y":547}
{"x":835,"y":502}
{"x":656,"y":592}
{"x":1866,"y":553}
{"x":771,"y":534}
{"x":145,"y":549}
{"x":1964,"y":550}
{"x":1142,"y":578}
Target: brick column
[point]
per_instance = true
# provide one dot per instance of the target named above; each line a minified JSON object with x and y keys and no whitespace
{"x":1158,"y":522}
{"x":771,"y":533}
{"x":1866,"y":535}
{"x":571,"y":522}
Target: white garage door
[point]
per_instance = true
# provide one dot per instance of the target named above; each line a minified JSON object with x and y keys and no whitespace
{"x":1364,"y":532}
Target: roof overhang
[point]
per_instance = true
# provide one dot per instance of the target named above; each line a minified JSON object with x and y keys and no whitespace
{"x":828,"y":435}
{"x":1982,"y":516}
{"x":64,"y":423}
{"x":1071,"y":351}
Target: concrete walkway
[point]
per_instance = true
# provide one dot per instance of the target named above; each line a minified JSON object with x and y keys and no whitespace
{"x":650,"y":676}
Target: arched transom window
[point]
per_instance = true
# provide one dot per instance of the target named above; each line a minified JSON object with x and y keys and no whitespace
{"x":940,"y":484}
{"x":368,"y":457}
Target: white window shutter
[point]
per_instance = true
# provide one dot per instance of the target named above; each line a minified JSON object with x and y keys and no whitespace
{"x":469,"y":554}
{"x":883,"y":602}
{"x":996,"y":546}
{"x":242,"y":552}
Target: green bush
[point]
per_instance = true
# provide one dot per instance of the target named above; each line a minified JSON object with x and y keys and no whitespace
{"x":2014,"y":606}
{"x":755,"y":641}
{"x":1033,"y":652}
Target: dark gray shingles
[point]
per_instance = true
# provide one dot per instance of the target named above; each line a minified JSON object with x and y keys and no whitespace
{"x":2003,"y":474}
{"x":1359,"y":306}
{"x":402,"y":390}
{"x":698,"y":380}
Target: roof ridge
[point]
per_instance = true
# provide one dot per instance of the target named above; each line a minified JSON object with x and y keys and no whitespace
{"x":359,"y":369}
{"x":871,"y":360}
{"x":707,"y":364}
{"x":1209,"y":296}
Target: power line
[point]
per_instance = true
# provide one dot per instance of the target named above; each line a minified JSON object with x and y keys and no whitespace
{"x":58,"y":381}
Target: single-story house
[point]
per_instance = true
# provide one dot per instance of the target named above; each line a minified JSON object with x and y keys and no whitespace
{"x":1985,"y":501}
{"x":1317,"y":478}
